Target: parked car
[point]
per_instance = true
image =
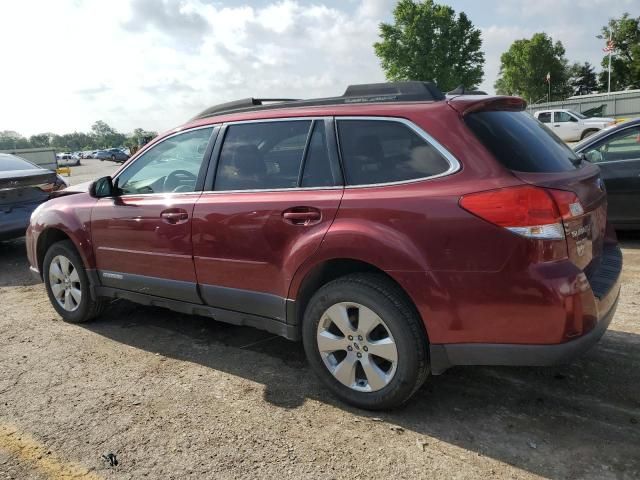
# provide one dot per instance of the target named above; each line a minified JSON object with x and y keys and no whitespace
{"x":114,"y":154}
{"x":617,"y":152}
{"x":572,"y":126}
{"x":23,"y":186}
{"x":67,"y":159}
{"x":395,"y":231}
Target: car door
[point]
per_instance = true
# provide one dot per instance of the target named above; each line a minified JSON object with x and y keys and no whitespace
{"x":142,"y":236}
{"x":618,"y":156}
{"x":566,"y":126}
{"x":276,"y":191}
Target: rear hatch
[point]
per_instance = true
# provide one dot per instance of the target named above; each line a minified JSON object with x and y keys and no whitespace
{"x":538,"y":157}
{"x":22,"y":187}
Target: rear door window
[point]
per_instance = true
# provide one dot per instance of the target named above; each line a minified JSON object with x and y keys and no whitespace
{"x":521,"y":143}
{"x":384,"y":151}
{"x":262,"y":155}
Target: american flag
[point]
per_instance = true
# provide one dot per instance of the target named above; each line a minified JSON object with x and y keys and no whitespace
{"x":610,"y":46}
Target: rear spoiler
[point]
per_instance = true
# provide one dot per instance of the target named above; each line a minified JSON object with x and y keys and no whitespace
{"x":471,"y":104}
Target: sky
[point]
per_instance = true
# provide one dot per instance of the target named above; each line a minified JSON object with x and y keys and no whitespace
{"x":156,"y":63}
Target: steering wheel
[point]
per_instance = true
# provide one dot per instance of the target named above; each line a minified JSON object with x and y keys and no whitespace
{"x":176,"y":180}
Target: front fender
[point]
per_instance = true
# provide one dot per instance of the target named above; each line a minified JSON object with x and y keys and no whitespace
{"x":70,"y":215}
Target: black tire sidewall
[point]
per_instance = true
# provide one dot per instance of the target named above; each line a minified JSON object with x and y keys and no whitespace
{"x":67,"y":249}
{"x":407,"y":374}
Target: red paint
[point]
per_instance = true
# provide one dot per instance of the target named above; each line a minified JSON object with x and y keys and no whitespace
{"x":471,"y":280}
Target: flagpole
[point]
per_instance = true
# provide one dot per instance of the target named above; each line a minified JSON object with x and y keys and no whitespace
{"x":610,"y":51}
{"x":549,"y":96}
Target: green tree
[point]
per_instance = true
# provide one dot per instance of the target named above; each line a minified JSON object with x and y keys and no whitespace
{"x":106,"y":136}
{"x":524,"y":68}
{"x":428,"y":41}
{"x":40,"y":140}
{"x":10,"y":140}
{"x":582,"y":79}
{"x":134,"y":139}
{"x":625,"y":62}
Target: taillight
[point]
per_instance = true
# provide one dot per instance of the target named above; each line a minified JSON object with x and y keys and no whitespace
{"x":529,"y":211}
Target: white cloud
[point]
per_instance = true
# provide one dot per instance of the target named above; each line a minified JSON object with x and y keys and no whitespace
{"x":155,"y":64}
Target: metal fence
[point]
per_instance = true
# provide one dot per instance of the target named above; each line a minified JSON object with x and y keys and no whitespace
{"x":617,"y":104}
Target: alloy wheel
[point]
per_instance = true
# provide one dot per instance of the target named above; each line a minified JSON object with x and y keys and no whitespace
{"x":65,"y":283}
{"x":357,"y":347}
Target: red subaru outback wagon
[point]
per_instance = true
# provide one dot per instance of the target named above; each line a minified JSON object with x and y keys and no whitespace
{"x":396,"y":231}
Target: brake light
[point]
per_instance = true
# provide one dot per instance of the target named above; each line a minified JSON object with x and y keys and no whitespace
{"x":529,"y":211}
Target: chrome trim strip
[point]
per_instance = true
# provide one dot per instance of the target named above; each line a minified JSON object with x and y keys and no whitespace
{"x":338,"y":187}
{"x":270,"y":120}
{"x":454,"y":164}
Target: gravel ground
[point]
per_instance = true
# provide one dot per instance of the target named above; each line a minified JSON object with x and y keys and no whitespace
{"x":174,"y":396}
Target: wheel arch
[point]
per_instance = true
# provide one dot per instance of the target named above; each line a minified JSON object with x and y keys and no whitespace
{"x":306,"y":283}
{"x":48,"y":237}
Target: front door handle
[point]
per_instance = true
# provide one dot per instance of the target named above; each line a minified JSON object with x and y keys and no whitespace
{"x":302,"y":216}
{"x":174,"y":216}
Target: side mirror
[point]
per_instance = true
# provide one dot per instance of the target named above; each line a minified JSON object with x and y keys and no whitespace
{"x":102,"y":187}
{"x":593,"y":156}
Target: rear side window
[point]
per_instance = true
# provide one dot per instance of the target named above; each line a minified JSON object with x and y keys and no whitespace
{"x":262,"y":155}
{"x":521,"y":143}
{"x":381,"y":151}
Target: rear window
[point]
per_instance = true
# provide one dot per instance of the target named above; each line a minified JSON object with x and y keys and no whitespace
{"x":521,"y":143}
{"x":10,"y":162}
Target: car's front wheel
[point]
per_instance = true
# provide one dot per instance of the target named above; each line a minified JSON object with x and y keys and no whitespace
{"x":67,"y":284}
{"x":365,"y":341}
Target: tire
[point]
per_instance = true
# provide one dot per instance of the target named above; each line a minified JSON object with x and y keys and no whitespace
{"x":360,"y":296}
{"x":113,"y":158}
{"x":81,"y":307}
{"x":587,"y":133}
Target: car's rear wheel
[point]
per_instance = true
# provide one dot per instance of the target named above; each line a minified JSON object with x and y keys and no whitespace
{"x":67,"y":284}
{"x":365,"y":341}
{"x":113,"y":158}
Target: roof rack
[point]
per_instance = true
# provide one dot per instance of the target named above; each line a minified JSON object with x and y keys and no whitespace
{"x":365,"y":93}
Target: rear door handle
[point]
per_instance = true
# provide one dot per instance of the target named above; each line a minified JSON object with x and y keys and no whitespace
{"x":302,"y":215}
{"x":174,"y":216}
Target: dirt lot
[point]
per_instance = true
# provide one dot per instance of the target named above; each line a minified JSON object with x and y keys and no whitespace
{"x":174,"y":396}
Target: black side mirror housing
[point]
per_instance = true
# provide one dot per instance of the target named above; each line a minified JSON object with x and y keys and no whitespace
{"x":102,"y":187}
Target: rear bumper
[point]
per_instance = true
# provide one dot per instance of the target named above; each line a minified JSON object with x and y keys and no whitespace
{"x":605,"y":287}
{"x":13,"y":224}
{"x":446,"y":356}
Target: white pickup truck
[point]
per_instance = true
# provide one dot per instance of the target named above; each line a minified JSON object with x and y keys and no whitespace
{"x":572,"y":126}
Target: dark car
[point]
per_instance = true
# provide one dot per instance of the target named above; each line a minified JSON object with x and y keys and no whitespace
{"x":395,"y":231}
{"x":617,"y":152}
{"x":23,"y":186}
{"x":114,"y":154}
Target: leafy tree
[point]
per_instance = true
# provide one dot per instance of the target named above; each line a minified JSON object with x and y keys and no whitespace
{"x":134,"y":139}
{"x":41,"y":140}
{"x":106,"y":136}
{"x":10,"y":140}
{"x":428,"y":41}
{"x":582,"y":79}
{"x":625,"y":62}
{"x":524,"y":68}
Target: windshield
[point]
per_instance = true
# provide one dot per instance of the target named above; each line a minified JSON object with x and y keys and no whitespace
{"x":579,"y":115}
